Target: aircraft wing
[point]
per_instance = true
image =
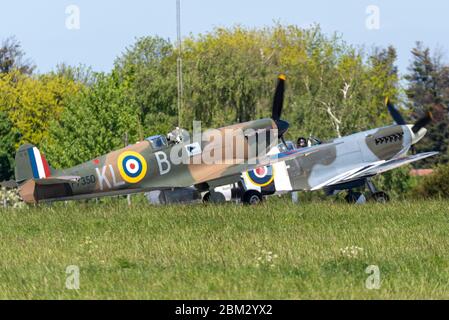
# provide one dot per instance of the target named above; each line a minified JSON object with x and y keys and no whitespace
{"x":374,"y":169}
{"x":291,"y":154}
{"x":269,"y":159}
{"x":396,"y":163}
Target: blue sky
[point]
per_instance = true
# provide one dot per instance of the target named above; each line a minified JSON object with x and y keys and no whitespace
{"x":108,"y":26}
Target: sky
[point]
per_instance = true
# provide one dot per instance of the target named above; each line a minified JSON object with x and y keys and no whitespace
{"x":50,"y":36}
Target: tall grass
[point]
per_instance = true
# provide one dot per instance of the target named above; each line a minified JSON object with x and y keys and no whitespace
{"x":275,"y":251}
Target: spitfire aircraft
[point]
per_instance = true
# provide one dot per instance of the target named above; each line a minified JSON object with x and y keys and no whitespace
{"x":348,"y":165}
{"x":159,"y":163}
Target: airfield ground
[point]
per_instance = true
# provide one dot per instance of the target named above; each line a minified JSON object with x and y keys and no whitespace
{"x":275,"y":251}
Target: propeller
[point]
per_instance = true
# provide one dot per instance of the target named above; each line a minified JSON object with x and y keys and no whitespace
{"x":278,"y":105}
{"x":422,"y":122}
{"x":395,"y":114}
{"x":417,"y":135}
{"x":278,"y":102}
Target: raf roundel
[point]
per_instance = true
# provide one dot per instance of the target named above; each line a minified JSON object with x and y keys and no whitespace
{"x":132,"y":166}
{"x":261,"y":177}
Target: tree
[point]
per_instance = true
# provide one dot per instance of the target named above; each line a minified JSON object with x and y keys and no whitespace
{"x":12,"y":57}
{"x":147,"y":74}
{"x":80,"y":74}
{"x":92,"y":124}
{"x":428,"y":90}
{"x":227,"y":77}
{"x":8,"y":139}
{"x":31,"y":103}
{"x":334,"y":89}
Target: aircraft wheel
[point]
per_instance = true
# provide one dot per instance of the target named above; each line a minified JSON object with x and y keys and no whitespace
{"x":214,"y":197}
{"x":206,"y":198}
{"x":217,"y":197}
{"x":252,"y":198}
{"x":381,"y":197}
{"x":353,"y":197}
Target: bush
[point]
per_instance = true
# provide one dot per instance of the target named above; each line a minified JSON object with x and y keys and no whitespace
{"x":435,"y":185}
{"x":398,"y":183}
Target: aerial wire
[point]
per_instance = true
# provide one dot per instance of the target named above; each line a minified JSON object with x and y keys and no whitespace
{"x":179,"y":62}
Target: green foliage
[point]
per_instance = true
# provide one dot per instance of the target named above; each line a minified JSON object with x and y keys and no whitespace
{"x":80,"y":74}
{"x":333,"y":88}
{"x":147,"y":74}
{"x":397,"y":183}
{"x":8,"y":139}
{"x":31,"y":103}
{"x":27,"y":106}
{"x":229,"y":77}
{"x":93,"y":123}
{"x":435,"y":185}
{"x":428,"y":80}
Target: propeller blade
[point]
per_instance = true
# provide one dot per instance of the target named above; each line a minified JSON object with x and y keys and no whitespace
{"x":284,"y":142}
{"x":423,"y":122}
{"x":278,"y":102}
{"x":282,"y":126}
{"x":395,"y":114}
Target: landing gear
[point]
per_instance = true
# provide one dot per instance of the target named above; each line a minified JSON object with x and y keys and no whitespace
{"x":214,"y":197}
{"x":206,"y":198}
{"x":355,"y":197}
{"x":252,"y":198}
{"x":377,"y":196}
{"x":381,"y":197}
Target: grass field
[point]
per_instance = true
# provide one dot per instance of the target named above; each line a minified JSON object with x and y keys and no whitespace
{"x":276,"y":251}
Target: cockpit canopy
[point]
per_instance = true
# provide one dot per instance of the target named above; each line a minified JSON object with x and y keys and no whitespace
{"x":158,"y":142}
{"x":290,"y":146}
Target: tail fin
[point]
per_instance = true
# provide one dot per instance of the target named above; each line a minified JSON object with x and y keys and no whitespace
{"x":31,"y":164}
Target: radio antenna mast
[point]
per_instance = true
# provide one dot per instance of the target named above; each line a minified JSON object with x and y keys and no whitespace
{"x":179,"y":61}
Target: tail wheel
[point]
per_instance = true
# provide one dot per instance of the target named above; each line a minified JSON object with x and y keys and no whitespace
{"x":252,"y":198}
{"x":381,"y":197}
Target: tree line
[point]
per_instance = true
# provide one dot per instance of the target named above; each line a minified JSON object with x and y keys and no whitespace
{"x":74,"y":114}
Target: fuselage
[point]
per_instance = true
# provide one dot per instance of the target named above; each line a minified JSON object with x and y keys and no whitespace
{"x":354,"y":152}
{"x":156,"y":165}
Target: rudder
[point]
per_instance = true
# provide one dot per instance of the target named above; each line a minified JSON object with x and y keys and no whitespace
{"x":31,"y":164}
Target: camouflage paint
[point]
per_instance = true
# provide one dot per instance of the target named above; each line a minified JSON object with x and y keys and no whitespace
{"x":106,"y":175}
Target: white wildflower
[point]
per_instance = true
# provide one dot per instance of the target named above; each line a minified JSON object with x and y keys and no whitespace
{"x":266,"y":259}
{"x":352,"y":252}
{"x":10,"y":198}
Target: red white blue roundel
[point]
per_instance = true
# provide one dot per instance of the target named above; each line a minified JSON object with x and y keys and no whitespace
{"x":262,"y":176}
{"x":132,"y":167}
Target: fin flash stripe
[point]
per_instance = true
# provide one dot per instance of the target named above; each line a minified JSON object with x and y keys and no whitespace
{"x":39,"y":164}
